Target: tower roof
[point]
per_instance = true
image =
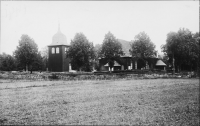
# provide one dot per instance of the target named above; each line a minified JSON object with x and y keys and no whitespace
{"x":59,"y":38}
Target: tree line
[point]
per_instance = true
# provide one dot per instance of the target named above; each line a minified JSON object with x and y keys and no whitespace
{"x":181,"y":51}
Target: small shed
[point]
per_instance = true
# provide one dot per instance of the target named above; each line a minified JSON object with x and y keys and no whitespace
{"x":160,"y":65}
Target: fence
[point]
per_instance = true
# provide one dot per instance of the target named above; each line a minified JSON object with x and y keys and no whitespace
{"x":88,"y":76}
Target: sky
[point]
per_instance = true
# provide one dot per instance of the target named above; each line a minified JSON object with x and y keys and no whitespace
{"x":125,"y":19}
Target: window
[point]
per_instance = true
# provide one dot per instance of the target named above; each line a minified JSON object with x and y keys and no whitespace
{"x":53,"y":50}
{"x":57,"y":49}
{"x":65,"y":50}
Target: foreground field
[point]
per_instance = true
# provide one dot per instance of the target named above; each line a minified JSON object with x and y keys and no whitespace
{"x":131,"y":102}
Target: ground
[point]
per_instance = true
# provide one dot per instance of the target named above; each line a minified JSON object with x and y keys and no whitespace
{"x":131,"y":102}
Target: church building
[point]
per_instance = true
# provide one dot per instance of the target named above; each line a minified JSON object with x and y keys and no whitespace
{"x":129,"y":63}
{"x":58,"y":62}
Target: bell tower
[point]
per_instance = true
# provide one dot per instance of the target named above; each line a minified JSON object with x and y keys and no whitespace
{"x":57,"y":53}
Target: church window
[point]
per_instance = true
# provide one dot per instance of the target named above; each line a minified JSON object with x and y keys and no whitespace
{"x":53,"y":50}
{"x":57,"y":50}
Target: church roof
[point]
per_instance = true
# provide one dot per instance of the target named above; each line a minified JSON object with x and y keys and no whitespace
{"x":160,"y":63}
{"x":59,"y":38}
{"x":126,"y":45}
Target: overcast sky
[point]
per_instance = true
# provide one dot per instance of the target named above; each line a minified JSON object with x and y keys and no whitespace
{"x":125,"y":19}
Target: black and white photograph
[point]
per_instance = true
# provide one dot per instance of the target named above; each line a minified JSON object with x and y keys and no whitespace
{"x":99,"y":62}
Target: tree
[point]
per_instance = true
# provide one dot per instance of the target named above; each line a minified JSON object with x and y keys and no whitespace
{"x":26,"y":52}
{"x":170,"y":47}
{"x":38,"y":63}
{"x":111,"y":49}
{"x":97,"y":50}
{"x":81,"y":53}
{"x":7,"y":62}
{"x":142,"y":47}
{"x":195,"y":50}
{"x":182,"y":48}
{"x":44,"y":54}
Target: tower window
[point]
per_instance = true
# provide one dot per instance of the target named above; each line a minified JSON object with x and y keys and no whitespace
{"x":57,"y":50}
{"x":53,"y":50}
{"x":65,"y":50}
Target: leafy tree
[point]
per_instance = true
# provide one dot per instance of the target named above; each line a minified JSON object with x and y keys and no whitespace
{"x":182,"y":48}
{"x":44,"y":54}
{"x":170,"y":47}
{"x":97,"y":50}
{"x":26,"y":52}
{"x":38,"y":63}
{"x":111,"y":49}
{"x":142,"y":47}
{"x":195,"y":50}
{"x":81,"y":53}
{"x":7,"y":62}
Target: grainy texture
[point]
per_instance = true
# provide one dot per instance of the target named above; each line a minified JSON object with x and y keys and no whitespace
{"x":134,"y":102}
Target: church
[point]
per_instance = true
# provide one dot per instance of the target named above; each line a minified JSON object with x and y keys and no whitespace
{"x":129,"y":63}
{"x":58,"y":62}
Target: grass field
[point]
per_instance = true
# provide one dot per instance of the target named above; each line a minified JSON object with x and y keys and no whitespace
{"x":126,"y":102}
